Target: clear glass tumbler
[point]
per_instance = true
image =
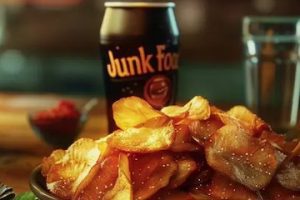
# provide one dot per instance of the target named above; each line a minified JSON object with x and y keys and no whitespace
{"x":272,"y":69}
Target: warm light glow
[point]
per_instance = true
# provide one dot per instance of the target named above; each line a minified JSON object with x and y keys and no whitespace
{"x":191,"y":15}
{"x":264,"y":6}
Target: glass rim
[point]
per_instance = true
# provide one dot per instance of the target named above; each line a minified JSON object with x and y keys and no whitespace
{"x":141,"y":4}
{"x":276,"y":20}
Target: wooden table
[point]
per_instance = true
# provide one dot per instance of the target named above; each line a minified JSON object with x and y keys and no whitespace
{"x":20,"y":149}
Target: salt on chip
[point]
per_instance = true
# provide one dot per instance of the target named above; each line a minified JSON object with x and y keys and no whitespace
{"x":71,"y":167}
{"x":143,"y":139}
{"x":222,"y":187}
{"x":122,"y":189}
{"x":185,"y":167}
{"x":183,"y":140}
{"x":150,"y":173}
{"x":102,"y":178}
{"x":132,"y":111}
{"x":243,"y":158}
{"x":275,"y":191}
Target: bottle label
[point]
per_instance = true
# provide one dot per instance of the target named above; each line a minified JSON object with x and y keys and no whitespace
{"x":141,"y":63}
{"x":146,"y":71}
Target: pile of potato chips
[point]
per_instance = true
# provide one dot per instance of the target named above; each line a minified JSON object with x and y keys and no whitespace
{"x":190,"y":152}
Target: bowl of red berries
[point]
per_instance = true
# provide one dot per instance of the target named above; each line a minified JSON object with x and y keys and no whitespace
{"x":60,"y":125}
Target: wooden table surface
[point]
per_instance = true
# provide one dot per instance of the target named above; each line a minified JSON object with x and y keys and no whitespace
{"x":20,"y":149}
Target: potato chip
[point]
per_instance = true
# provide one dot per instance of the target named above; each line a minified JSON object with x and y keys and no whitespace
{"x":291,"y":148}
{"x":103,"y":179}
{"x":122,"y":189}
{"x":296,"y":150}
{"x":276,"y":140}
{"x":196,"y":109}
{"x":275,"y":191}
{"x":255,"y":127}
{"x":51,"y":160}
{"x":229,"y":120}
{"x":185,"y":167}
{"x":289,"y":174}
{"x":250,"y":119}
{"x":155,"y":122}
{"x":71,"y":167}
{"x":215,"y":110}
{"x":243,"y":114}
{"x":199,"y":179}
{"x":176,"y":111}
{"x":222,"y":187}
{"x":203,"y":130}
{"x":199,"y":109}
{"x":143,"y":139}
{"x":243,"y":158}
{"x":150,"y":173}
{"x":190,"y":152}
{"x":183,"y":140}
{"x":132,"y":111}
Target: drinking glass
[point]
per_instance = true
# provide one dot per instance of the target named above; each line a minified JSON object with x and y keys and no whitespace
{"x":272,"y":69}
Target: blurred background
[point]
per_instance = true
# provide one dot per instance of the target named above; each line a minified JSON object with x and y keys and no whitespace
{"x":51,"y":46}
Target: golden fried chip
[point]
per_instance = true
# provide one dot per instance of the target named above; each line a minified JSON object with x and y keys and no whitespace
{"x":185,"y":167}
{"x":223,"y":187}
{"x":103,"y":179}
{"x":250,"y":119}
{"x":296,"y":150}
{"x":289,"y":174}
{"x":67,"y":171}
{"x":196,"y":109}
{"x":51,"y":160}
{"x":143,"y":139}
{"x":199,"y":108}
{"x":275,"y":191}
{"x":176,"y":111}
{"x":155,"y":122}
{"x":183,"y":140}
{"x":243,"y":114}
{"x":201,"y":177}
{"x":122,"y":189}
{"x":150,"y":172}
{"x":132,"y":111}
{"x":202,"y":130}
{"x":243,"y":158}
{"x":229,"y":120}
{"x":196,"y":148}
